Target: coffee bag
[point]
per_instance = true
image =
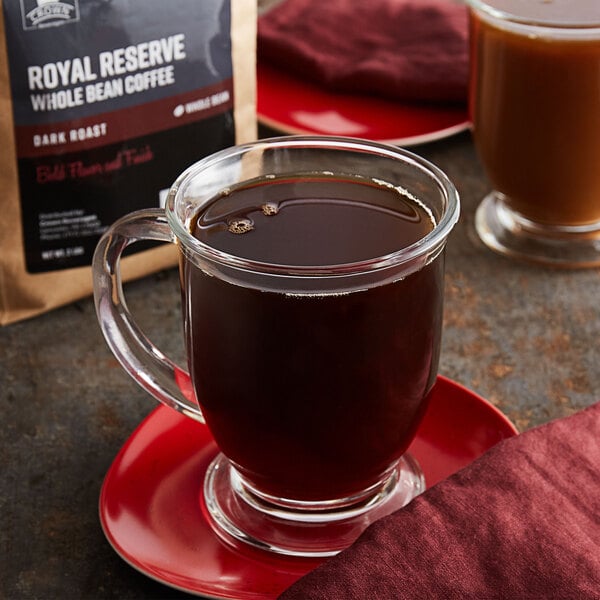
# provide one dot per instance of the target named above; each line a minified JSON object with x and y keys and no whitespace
{"x":102,"y":104}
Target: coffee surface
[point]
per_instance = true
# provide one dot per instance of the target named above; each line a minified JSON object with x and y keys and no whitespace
{"x":567,"y":12}
{"x":313,"y":221}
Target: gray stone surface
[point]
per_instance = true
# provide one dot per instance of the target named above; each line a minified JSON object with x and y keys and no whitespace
{"x":524,"y":337}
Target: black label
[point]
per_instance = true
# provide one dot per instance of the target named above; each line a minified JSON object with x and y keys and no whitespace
{"x":111,"y":101}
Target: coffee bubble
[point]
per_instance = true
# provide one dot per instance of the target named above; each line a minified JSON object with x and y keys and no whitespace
{"x":241,"y":225}
{"x":270,"y":208}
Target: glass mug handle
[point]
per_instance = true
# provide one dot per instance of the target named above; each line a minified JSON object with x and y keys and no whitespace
{"x":153,"y":371}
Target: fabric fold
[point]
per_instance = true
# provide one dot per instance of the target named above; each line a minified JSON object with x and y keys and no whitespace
{"x":411,"y":50}
{"x":522,"y":521}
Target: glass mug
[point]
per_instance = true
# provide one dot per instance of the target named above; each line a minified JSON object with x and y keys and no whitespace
{"x":312,"y":283}
{"x":535,"y":108}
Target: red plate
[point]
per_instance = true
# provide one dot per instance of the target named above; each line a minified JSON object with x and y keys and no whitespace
{"x":294,"y":106}
{"x":150,"y":508}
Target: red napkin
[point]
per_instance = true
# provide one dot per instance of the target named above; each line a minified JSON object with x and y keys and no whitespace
{"x":523,"y":521}
{"x":402,"y":49}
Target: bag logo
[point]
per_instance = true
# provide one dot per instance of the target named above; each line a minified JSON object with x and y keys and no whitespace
{"x":46,"y":13}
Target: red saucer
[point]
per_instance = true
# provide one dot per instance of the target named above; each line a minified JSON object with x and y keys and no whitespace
{"x":295,"y":106}
{"x":150,"y":509}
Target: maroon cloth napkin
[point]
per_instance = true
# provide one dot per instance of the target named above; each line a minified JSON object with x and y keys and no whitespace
{"x":522,"y":521}
{"x":402,"y":49}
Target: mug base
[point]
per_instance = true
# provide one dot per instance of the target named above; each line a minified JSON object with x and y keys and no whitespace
{"x":510,"y":234}
{"x":236,"y":514}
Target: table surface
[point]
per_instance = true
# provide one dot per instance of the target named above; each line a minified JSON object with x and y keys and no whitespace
{"x":522,"y":336}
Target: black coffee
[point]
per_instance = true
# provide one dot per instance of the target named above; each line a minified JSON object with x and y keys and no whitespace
{"x":313,"y":396}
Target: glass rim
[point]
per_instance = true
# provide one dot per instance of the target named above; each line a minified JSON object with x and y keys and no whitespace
{"x":427,"y":245}
{"x":549,"y":26}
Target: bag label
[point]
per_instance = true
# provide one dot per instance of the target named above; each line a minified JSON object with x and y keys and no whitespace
{"x":111,"y":101}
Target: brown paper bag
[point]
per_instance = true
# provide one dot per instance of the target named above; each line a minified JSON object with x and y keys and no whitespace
{"x":102,"y":105}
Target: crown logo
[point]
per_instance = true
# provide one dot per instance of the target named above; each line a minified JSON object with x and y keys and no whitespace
{"x":43,"y":13}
